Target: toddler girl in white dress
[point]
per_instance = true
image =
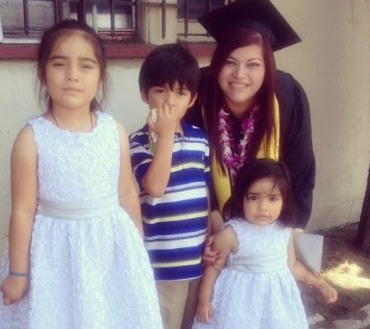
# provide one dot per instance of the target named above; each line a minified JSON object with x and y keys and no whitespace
{"x":257,"y":288}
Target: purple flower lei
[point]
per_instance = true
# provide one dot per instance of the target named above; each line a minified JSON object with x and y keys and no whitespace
{"x":234,"y":161}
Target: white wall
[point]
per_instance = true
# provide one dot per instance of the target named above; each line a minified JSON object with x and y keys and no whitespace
{"x":332,"y":64}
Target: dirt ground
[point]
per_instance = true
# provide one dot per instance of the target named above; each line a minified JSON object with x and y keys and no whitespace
{"x":347,"y":269}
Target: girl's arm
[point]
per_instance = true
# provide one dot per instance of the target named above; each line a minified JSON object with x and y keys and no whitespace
{"x":225,"y":242}
{"x":156,"y":178}
{"x":301,"y":273}
{"x":127,"y":189}
{"x":24,"y":201}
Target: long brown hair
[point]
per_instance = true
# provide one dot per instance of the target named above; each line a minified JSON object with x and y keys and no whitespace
{"x":211,"y":95}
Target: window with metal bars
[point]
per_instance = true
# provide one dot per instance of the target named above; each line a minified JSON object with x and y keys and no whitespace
{"x":24,"y":21}
{"x":118,"y":21}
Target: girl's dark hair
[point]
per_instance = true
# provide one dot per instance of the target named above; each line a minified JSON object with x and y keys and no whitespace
{"x":51,"y":36}
{"x":170,"y":63}
{"x":212,"y":99}
{"x":251,"y":172}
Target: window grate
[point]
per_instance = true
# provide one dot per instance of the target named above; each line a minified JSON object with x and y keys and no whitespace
{"x":114,"y":20}
{"x":190,"y":10}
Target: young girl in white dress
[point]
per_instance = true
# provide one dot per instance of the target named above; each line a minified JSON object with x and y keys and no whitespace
{"x":76,"y":257}
{"x":257,"y":288}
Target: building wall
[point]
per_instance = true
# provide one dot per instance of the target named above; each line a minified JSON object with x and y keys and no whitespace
{"x":332,"y":64}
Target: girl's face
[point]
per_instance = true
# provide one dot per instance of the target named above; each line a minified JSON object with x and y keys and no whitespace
{"x":241,"y":77}
{"x":72,"y":73}
{"x":263,"y":203}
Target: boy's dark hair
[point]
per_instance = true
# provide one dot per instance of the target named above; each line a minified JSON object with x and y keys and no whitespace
{"x":170,"y":63}
{"x":252,"y":171}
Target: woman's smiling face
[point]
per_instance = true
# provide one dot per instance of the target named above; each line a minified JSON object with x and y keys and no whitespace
{"x":241,"y":77}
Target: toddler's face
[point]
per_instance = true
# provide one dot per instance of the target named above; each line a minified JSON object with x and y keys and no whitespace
{"x":263,"y":203}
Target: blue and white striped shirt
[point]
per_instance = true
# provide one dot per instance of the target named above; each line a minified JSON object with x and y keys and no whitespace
{"x":175,"y":224}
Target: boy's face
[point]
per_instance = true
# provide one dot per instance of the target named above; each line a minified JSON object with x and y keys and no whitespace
{"x":179,"y":98}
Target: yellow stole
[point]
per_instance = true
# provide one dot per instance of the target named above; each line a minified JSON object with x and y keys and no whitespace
{"x":221,"y":182}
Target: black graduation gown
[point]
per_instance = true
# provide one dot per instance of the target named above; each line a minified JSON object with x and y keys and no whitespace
{"x":296,"y":148}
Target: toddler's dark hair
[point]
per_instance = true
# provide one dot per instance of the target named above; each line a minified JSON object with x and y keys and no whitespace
{"x":252,"y":171}
{"x":170,"y":63}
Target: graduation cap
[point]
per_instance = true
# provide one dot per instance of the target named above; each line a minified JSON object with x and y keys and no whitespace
{"x":257,"y":15}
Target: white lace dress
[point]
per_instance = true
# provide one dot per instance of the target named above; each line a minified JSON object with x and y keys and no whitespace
{"x":256,"y":289}
{"x":88,"y":265}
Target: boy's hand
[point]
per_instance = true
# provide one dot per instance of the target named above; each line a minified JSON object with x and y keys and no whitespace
{"x":13,"y":288}
{"x":204,"y":312}
{"x":165,"y":124}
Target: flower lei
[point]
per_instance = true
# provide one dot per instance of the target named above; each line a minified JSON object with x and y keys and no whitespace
{"x":235,"y":157}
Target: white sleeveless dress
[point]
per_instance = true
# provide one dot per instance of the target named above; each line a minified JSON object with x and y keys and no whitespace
{"x":256,"y":289}
{"x":88,"y":265}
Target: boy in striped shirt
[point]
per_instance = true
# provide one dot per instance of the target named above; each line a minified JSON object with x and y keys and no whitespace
{"x":170,"y":159}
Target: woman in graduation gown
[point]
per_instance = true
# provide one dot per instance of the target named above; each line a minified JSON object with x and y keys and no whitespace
{"x":248,"y":108}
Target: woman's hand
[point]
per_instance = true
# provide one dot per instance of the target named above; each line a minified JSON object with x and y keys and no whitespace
{"x":14,"y":288}
{"x":204,"y":312}
{"x":209,"y":255}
